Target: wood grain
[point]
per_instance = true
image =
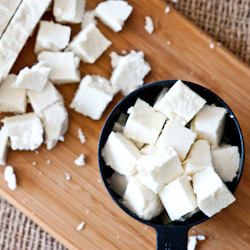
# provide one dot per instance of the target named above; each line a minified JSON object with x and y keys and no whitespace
{"x":59,"y":206}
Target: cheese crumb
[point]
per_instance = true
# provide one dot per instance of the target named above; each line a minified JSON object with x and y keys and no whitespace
{"x":80,"y":160}
{"x":149,"y":26}
{"x":192,"y":243}
{"x":168,"y":42}
{"x":201,"y":237}
{"x":10,"y":177}
{"x":211,"y":46}
{"x":34,"y":163}
{"x":80,"y":226}
{"x":81,"y":136}
{"x":167,"y":9}
{"x":37,"y":152}
{"x":48,"y":161}
{"x":68,"y":177}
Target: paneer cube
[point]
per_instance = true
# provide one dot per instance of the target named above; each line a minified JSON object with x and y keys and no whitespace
{"x":178,"y":198}
{"x":212,"y":194}
{"x":92,"y":97}
{"x":121,"y":154}
{"x":89,"y":44}
{"x":3,"y":146}
{"x":209,"y":124}
{"x":113,"y":13}
{"x":144,"y":124}
{"x":180,"y":103}
{"x":64,"y":66}
{"x":176,"y":136}
{"x":141,"y":200}
{"x":52,"y":36}
{"x":155,"y":171}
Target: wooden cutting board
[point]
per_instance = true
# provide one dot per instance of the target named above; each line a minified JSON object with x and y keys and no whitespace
{"x":59,"y":206}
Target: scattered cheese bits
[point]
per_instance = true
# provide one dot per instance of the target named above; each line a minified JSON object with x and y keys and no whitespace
{"x":167,"y":10}
{"x":34,"y":163}
{"x":192,"y":243}
{"x":211,"y":46}
{"x":200,"y":237}
{"x":48,"y":161}
{"x":168,"y":42}
{"x":80,"y":161}
{"x":3,"y":146}
{"x":149,"y":26}
{"x":10,"y":177}
{"x":68,"y":177}
{"x":81,"y":136}
{"x":88,"y":18}
{"x":80,"y":226}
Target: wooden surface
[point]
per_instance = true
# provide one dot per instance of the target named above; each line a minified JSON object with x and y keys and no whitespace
{"x":59,"y":206}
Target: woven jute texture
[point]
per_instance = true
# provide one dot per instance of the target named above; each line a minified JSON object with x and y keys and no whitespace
{"x":227,"y":21}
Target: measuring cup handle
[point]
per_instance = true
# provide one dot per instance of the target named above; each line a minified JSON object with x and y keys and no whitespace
{"x":171,"y":237}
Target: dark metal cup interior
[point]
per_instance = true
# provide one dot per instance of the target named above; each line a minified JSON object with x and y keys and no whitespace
{"x":174,"y":235}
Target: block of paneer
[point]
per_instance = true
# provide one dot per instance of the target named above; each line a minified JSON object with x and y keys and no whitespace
{"x":198,"y":158}
{"x":178,"y":198}
{"x":64,"y":66}
{"x":211,"y":192}
{"x":177,"y":136}
{"x":180,"y":103}
{"x":141,"y":201}
{"x":69,"y":11}
{"x":89,"y":44}
{"x":92,"y":97}
{"x":43,"y":99}
{"x":52,"y":36}
{"x":226,"y":162}
{"x":144,"y":124}
{"x":118,"y":182}
{"x":121,"y":154}
{"x":34,"y":78}
{"x":3,"y":145}
{"x":55,"y":121}
{"x":113,"y":13}
{"x":129,"y":73}
{"x":25,"y":131}
{"x":209,"y":124}
{"x":12,"y":99}
{"x":155,"y":171}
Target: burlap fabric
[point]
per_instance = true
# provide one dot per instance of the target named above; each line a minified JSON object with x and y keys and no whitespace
{"x":227,"y":21}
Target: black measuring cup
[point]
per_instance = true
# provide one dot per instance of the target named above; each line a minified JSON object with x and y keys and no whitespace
{"x":171,"y":236}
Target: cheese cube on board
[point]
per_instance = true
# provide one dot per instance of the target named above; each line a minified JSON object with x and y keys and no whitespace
{"x":33,"y":78}
{"x":180,"y":103}
{"x":155,"y":171}
{"x":212,"y":194}
{"x":121,"y":154}
{"x":209,"y":124}
{"x":52,"y":36}
{"x":3,"y":146}
{"x":55,"y":122}
{"x":199,"y":158}
{"x":10,"y":177}
{"x":92,"y":97}
{"x":141,"y":200}
{"x":113,"y":13}
{"x":130,"y":72}
{"x":89,"y":44}
{"x":25,"y":131}
{"x":178,"y":198}
{"x":12,"y":99}
{"x":43,"y":99}
{"x":176,"y":136}
{"x":226,"y":162}
{"x":144,"y":124}
{"x":64,"y":66}
{"x":69,"y":11}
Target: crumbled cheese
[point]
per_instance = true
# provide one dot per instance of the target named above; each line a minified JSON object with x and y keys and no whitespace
{"x":149,"y":26}
{"x":48,"y":161}
{"x":167,"y":10}
{"x":80,"y":226}
{"x":81,"y":136}
{"x":192,"y":243}
{"x":89,"y":17}
{"x":68,"y":177}
{"x":34,"y":163}
{"x":201,"y":237}
{"x":168,"y":42}
{"x":3,"y":146}
{"x":10,"y":177}
{"x":114,"y":59}
{"x":80,"y":161}
{"x":211,"y":46}
{"x":37,"y":152}
{"x":124,"y":52}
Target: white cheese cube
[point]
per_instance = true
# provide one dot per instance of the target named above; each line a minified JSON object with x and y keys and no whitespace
{"x":33,"y":78}
{"x":149,"y":149}
{"x":226,"y":162}
{"x":88,"y":18}
{"x":69,"y":11}
{"x":10,"y":177}
{"x":121,"y":154}
{"x":199,"y":158}
{"x":92,"y":97}
{"x":178,"y":198}
{"x":149,"y":25}
{"x":55,"y":123}
{"x":209,"y":124}
{"x":43,"y":99}
{"x":12,"y":99}
{"x":118,"y":183}
{"x":89,"y":44}
{"x":178,"y":137}
{"x":52,"y":36}
{"x":141,"y":200}
{"x":25,"y":131}
{"x":64,"y":66}
{"x":130,"y":72}
{"x":3,"y":146}
{"x":155,"y":171}
{"x":113,"y":13}
{"x":212,"y":194}
{"x":144,"y":124}
{"x":180,"y":103}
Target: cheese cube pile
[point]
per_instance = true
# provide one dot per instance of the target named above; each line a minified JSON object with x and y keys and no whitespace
{"x":175,"y":168}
